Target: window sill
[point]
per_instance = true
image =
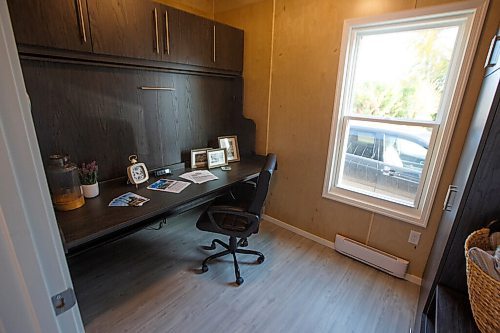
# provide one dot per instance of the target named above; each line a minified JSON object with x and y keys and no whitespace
{"x":393,"y":210}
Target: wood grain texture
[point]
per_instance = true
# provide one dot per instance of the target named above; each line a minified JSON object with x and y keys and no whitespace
{"x":131,"y":29}
{"x":306,"y":51}
{"x":149,"y":282}
{"x":125,"y":28}
{"x":256,"y":21}
{"x":50,"y":23}
{"x":453,"y":313}
{"x":192,"y":41}
{"x":95,"y":219}
{"x":228,"y":47}
{"x":99,"y":113}
{"x":481,"y":202}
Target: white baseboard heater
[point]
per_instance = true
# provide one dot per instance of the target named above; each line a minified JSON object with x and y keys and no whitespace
{"x":371,"y":256}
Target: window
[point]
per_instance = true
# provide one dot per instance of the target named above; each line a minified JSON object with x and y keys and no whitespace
{"x":400,"y":84}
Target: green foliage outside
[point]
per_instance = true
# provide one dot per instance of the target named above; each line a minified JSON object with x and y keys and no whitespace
{"x":418,"y":94}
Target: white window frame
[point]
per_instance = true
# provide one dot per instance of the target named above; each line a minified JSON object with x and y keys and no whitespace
{"x":471,"y":15}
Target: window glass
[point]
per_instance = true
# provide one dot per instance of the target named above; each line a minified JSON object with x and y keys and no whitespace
{"x":384,"y":160}
{"x":402,"y":74}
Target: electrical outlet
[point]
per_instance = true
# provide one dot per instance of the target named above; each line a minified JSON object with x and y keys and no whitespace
{"x":414,"y":237}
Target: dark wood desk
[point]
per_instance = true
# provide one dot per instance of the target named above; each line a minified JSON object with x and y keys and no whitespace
{"x":96,"y":223}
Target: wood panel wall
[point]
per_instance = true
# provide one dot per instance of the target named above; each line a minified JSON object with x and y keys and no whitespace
{"x":304,"y":40}
{"x":94,"y":112}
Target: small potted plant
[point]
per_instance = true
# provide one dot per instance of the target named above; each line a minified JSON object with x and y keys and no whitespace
{"x":88,"y":178}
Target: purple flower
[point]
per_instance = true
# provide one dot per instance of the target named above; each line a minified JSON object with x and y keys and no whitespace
{"x":88,"y":173}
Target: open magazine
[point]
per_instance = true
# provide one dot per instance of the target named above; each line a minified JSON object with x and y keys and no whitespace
{"x":199,"y":176}
{"x":128,"y":199}
{"x":168,"y":185}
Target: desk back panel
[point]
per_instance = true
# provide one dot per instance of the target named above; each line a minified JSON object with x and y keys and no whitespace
{"x":98,"y":112}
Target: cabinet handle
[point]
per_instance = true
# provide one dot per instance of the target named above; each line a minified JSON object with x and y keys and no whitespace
{"x":492,"y":52}
{"x":157,"y":88}
{"x":214,"y":45}
{"x":156,"y":32}
{"x":167,"y":32}
{"x":82,"y":22}
{"x":447,"y":205}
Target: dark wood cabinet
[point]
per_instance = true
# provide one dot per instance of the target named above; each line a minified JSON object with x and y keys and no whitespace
{"x":150,"y":86}
{"x":190,"y":38}
{"x":473,"y":202}
{"x":108,"y":113}
{"x":131,"y":31}
{"x":94,"y":113}
{"x":194,"y":40}
{"x":61,"y":24}
{"x":171,"y":37}
{"x":228,"y":47}
{"x":126,"y":28}
{"x":169,"y":124}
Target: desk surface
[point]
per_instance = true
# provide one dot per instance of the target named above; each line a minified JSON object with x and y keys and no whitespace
{"x":95,"y":219}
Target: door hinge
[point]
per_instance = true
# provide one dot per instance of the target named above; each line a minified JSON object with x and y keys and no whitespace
{"x":63,"y":301}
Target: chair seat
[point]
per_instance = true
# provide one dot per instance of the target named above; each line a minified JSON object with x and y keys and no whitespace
{"x":229,"y":223}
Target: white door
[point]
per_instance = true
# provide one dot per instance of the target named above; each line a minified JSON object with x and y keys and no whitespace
{"x":32,"y":263}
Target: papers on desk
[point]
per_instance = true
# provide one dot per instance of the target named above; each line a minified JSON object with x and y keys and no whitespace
{"x":199,"y":176}
{"x":128,"y":199}
{"x":168,"y":185}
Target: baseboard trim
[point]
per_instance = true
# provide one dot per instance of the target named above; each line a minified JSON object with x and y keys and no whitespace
{"x":408,"y":277}
{"x":413,"y":279}
{"x":300,"y":232}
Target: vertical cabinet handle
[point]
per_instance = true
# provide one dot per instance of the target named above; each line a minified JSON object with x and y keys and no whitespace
{"x":82,"y":22}
{"x":493,"y":53}
{"x":156,"y":31}
{"x":215,"y":57}
{"x":167,"y":33}
{"x":450,"y":198}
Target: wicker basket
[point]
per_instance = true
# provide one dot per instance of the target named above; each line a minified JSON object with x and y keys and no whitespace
{"x":484,"y":291}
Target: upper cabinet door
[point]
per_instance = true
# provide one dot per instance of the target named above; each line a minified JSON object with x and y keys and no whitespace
{"x":228,"y":47}
{"x":126,"y":28}
{"x":59,"y":24}
{"x":187,"y":38}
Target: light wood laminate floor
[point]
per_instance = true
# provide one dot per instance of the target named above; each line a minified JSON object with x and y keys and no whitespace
{"x":150,"y":282}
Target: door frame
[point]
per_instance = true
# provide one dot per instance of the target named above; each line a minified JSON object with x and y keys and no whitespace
{"x":32,"y":260}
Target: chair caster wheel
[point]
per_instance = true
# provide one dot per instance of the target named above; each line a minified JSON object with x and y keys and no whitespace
{"x":239,"y":281}
{"x":204,"y":268}
{"x":260,"y":260}
{"x":244,"y":243}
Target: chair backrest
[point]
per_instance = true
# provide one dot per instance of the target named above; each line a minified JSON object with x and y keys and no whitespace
{"x":265,"y":175}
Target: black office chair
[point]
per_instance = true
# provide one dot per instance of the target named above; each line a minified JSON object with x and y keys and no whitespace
{"x":238,"y":220}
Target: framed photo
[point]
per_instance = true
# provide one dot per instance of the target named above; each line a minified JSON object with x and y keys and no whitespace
{"x":199,"y":158}
{"x":231,"y":145}
{"x":216,"y":157}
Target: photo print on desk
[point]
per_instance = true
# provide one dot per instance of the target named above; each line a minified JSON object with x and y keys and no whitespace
{"x":199,"y":158}
{"x":231,"y":145}
{"x":216,"y":157}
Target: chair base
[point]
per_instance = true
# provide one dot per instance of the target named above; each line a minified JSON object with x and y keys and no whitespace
{"x":231,"y":248}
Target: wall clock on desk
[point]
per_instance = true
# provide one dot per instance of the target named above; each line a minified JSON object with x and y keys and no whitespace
{"x":137,"y":172}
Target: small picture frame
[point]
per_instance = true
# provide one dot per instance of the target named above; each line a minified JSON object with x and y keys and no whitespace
{"x":199,"y":158}
{"x":216,"y":157}
{"x":231,"y":145}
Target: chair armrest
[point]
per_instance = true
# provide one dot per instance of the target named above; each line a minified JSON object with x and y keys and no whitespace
{"x":225,"y":209}
{"x":251,"y":183}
